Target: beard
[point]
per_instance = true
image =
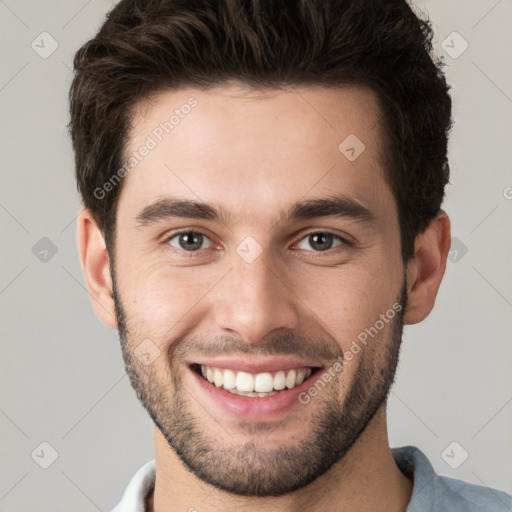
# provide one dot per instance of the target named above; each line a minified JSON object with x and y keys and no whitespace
{"x":251,"y":468}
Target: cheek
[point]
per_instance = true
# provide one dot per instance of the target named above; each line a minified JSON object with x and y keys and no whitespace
{"x":163,"y":302}
{"x":350,"y":299}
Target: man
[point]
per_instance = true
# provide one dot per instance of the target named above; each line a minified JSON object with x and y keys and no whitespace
{"x":262,"y":184}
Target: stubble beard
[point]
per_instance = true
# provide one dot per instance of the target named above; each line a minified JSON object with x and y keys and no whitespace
{"x":250,"y":469}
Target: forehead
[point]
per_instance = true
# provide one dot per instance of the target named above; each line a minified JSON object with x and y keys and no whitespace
{"x":254,"y":151}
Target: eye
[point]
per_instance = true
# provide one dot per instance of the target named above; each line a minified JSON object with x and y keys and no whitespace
{"x":189,"y":241}
{"x":321,"y":241}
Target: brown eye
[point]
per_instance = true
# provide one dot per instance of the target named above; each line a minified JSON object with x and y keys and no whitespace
{"x":189,"y":241}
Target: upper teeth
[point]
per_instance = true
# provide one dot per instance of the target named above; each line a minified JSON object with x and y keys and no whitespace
{"x":252,"y":384}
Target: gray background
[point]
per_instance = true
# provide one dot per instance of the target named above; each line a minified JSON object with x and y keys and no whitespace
{"x":62,"y":379}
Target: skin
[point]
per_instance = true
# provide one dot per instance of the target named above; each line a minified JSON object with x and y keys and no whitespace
{"x":255,"y":153}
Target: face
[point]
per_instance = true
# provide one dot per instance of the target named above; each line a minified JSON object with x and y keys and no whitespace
{"x":258,"y":281}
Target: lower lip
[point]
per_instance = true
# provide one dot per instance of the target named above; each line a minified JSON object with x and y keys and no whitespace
{"x":257,"y":408}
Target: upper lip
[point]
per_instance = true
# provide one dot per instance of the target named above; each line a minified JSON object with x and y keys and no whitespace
{"x":257,"y":366}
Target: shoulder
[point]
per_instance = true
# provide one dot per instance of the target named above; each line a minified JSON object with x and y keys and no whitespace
{"x":141,"y":484}
{"x":476,"y":498}
{"x":433,"y":492}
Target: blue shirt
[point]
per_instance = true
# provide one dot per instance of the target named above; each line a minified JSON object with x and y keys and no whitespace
{"x":431,"y":492}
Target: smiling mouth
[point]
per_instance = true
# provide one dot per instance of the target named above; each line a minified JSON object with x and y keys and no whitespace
{"x":254,"y":384}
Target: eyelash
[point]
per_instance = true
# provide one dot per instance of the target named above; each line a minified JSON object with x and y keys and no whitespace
{"x":187,"y":254}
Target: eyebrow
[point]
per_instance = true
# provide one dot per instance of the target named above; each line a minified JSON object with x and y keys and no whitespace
{"x":339,"y":206}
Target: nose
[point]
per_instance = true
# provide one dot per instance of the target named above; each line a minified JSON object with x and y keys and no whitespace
{"x":255,"y":300}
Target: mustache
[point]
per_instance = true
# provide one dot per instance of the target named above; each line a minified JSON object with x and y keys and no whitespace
{"x":288,"y":344}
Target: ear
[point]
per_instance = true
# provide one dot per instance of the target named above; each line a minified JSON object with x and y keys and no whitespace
{"x":96,"y":267}
{"x":426,"y":269}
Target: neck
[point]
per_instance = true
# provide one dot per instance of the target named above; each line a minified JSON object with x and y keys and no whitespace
{"x":365,"y":480}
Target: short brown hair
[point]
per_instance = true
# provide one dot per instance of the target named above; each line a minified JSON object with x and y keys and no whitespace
{"x":148,"y":46}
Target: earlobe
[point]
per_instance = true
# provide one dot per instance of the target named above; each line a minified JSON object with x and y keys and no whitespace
{"x":426,"y":269}
{"x":96,"y":267}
